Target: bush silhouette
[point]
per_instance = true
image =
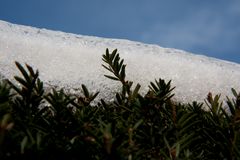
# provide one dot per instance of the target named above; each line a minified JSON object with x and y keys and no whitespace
{"x":40,"y":124}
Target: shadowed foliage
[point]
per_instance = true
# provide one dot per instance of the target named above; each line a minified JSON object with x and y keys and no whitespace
{"x":40,"y":124}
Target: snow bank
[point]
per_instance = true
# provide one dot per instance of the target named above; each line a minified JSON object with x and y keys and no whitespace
{"x":69,"y":60}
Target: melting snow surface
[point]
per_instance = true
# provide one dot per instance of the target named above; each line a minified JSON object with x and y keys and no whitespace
{"x":69,"y":60}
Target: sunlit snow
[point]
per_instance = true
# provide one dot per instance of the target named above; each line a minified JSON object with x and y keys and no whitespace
{"x":69,"y":60}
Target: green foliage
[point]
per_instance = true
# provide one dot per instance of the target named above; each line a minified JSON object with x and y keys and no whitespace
{"x":36,"y":124}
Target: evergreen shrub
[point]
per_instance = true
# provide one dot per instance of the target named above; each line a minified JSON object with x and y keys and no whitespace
{"x":36,"y":124}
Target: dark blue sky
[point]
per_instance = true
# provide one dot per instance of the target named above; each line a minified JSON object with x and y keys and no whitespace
{"x":210,"y":27}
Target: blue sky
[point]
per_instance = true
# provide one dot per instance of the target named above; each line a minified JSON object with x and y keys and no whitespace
{"x":209,"y":27}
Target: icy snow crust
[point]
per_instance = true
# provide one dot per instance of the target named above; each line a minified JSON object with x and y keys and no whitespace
{"x":69,"y":60}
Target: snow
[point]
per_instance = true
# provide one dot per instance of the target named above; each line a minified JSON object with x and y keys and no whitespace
{"x":69,"y":60}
